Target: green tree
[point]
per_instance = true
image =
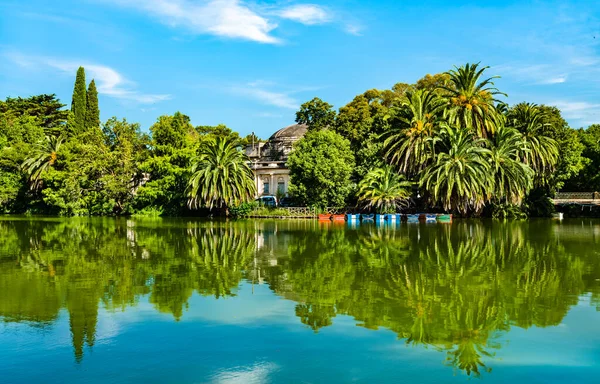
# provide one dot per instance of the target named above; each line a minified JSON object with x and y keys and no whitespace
{"x":459,"y":178}
{"x":570,"y":149}
{"x":221,"y":176}
{"x":471,"y":100}
{"x":316,"y":114}
{"x":47,"y":111}
{"x":410,"y":143}
{"x":588,"y":180}
{"x":541,"y":151}
{"x":512,"y":178}
{"x":42,"y":158}
{"x":320,"y":166}
{"x":174,"y":143}
{"x":361,"y":122}
{"x":92,"y":119}
{"x":384,"y":190}
{"x":79,"y":102}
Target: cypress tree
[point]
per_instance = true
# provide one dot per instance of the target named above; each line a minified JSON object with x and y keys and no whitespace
{"x":78,"y":105}
{"x":92,"y":119}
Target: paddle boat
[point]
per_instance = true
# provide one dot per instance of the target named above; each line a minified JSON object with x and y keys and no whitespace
{"x":352,"y":217}
{"x":393,"y":217}
{"x":367,"y":217}
{"x":339,"y":217}
{"x":379,"y":218}
{"x":412,"y":218}
{"x":430,"y":218}
{"x":444,"y":218}
{"x":324,"y":217}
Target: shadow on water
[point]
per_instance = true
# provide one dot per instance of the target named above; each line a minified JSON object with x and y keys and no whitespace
{"x":454,"y":288}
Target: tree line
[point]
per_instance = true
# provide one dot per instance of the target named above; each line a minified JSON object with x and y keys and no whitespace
{"x":448,"y":142}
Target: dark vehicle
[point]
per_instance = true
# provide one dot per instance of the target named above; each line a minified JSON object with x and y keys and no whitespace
{"x":288,"y":202}
{"x":267,"y":201}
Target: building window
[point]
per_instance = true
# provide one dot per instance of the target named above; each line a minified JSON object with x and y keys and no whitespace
{"x":266,"y":187}
{"x":280,"y":186}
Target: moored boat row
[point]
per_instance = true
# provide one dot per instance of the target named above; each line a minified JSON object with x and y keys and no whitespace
{"x":393,"y":217}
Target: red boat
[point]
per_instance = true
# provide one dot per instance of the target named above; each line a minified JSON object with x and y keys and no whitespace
{"x":324,"y":217}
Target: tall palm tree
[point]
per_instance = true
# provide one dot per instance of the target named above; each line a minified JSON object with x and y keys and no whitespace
{"x":41,"y":159}
{"x":512,"y":178}
{"x":459,"y":178}
{"x":220,"y":176}
{"x":471,"y":100}
{"x":541,"y":152}
{"x":384,"y":190}
{"x":410,"y":146}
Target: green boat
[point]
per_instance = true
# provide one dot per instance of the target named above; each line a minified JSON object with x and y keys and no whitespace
{"x":444,"y":218}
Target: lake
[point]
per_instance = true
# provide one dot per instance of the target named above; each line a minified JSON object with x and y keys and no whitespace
{"x":103,"y":300}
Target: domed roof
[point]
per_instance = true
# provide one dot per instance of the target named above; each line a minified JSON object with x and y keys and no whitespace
{"x":293,"y":132}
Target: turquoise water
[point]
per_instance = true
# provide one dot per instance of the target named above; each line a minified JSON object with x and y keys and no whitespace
{"x":182,"y":301}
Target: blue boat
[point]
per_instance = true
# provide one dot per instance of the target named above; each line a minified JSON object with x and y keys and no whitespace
{"x":430,"y":218}
{"x":352,"y":217}
{"x":367,"y":217}
{"x":413,"y":218}
{"x":393,"y":217}
{"x":379,"y":218}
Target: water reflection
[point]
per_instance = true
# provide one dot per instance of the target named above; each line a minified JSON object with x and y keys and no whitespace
{"x":455,"y":288}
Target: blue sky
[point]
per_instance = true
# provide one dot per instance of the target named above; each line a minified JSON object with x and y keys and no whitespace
{"x":249,"y":65}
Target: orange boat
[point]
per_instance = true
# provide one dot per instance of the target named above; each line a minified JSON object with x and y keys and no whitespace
{"x":324,"y":217}
{"x":339,"y":217}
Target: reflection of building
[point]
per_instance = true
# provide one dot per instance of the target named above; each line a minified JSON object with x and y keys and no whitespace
{"x":268,"y":160}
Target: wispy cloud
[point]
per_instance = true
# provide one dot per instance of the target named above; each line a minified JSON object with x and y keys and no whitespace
{"x":541,"y":74}
{"x":257,"y":91}
{"x":108,"y":81}
{"x":584,"y":113}
{"x":354,"y":29}
{"x":308,"y":14}
{"x":233,"y":19}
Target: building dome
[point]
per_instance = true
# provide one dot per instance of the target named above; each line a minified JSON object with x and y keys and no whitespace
{"x":290,"y":133}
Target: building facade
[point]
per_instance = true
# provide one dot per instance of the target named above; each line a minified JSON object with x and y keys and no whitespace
{"x":268,"y":160}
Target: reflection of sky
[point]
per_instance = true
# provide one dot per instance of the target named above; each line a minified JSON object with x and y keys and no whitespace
{"x":256,"y":338}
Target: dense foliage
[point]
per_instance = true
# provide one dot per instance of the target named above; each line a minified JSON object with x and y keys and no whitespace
{"x":446,"y":142}
{"x":464,"y":150}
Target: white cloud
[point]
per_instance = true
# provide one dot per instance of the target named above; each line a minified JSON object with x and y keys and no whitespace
{"x":583,"y":112}
{"x":109,"y":82}
{"x":227,"y":18}
{"x":354,"y":29}
{"x":307,"y":14}
{"x":256,"y":91}
{"x":555,"y":80}
{"x":233,"y":19}
{"x":541,"y":74}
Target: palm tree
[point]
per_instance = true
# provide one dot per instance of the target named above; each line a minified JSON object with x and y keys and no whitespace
{"x":41,"y":159}
{"x":384,"y":190}
{"x":471,"y":102}
{"x":541,"y":152}
{"x":512,"y":178}
{"x":459,"y":178}
{"x":220,"y":176}
{"x":411,"y":145}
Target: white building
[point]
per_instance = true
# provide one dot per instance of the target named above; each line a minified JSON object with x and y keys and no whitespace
{"x":268,"y":160}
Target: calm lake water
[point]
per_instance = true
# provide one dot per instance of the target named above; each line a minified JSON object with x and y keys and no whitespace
{"x":181,"y":301}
